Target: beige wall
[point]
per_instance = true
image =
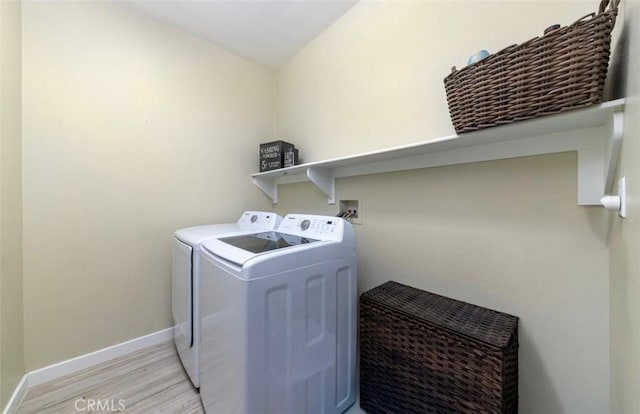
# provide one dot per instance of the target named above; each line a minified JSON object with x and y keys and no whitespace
{"x":624,"y":241}
{"x":505,"y":234}
{"x":11,"y":321}
{"x":131,"y":129}
{"x":375,"y":78}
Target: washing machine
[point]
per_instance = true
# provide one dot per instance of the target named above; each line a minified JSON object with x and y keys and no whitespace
{"x":185,"y":281}
{"x":278,"y":316}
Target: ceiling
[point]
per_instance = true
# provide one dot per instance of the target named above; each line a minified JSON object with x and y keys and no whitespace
{"x":268,"y":32}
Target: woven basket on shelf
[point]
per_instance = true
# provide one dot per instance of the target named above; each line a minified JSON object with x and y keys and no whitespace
{"x":562,"y":70}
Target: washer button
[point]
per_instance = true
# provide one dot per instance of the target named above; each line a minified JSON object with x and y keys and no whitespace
{"x":304,"y":224}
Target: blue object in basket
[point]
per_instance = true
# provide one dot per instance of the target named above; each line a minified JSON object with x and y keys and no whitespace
{"x":477,"y":57}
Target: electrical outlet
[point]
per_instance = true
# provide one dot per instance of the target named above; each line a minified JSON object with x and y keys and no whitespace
{"x":351,"y":209}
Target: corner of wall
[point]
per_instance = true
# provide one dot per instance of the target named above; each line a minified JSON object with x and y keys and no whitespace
{"x":624,"y":240}
{"x":12,"y":366}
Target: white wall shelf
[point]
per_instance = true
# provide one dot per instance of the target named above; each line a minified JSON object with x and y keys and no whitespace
{"x":594,"y":132}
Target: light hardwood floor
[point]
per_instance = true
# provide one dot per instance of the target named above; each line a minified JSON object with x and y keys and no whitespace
{"x":151,"y":380}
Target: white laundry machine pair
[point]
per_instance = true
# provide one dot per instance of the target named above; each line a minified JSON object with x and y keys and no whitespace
{"x":185,"y":281}
{"x":279,"y":324}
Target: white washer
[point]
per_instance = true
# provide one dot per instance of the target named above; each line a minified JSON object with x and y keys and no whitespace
{"x":279,"y":319}
{"x":185,"y":281}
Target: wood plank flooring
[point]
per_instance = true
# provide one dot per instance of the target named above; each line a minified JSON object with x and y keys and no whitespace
{"x":151,"y":380}
{"x":148,"y":381}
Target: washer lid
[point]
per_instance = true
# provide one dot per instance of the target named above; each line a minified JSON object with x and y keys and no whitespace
{"x":267,"y":241}
{"x":240,"y":248}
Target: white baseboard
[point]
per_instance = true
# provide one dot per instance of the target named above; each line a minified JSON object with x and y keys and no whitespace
{"x":76,"y":364}
{"x":89,"y":360}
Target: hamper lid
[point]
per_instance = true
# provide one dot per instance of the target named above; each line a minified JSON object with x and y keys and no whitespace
{"x":489,"y":326}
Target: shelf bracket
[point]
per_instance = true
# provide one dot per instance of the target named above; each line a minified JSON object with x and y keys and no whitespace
{"x":323,"y":179}
{"x":268,"y":186}
{"x":597,"y":163}
{"x":613,"y":149}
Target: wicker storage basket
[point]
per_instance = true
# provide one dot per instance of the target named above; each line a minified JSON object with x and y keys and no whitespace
{"x":425,"y":353}
{"x":562,"y":70}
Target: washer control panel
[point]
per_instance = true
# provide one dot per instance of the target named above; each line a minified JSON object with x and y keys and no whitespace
{"x":259,"y":220}
{"x":316,"y":227}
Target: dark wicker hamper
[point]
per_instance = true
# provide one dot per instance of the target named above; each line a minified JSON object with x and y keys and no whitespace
{"x":564,"y":69}
{"x":425,"y":353}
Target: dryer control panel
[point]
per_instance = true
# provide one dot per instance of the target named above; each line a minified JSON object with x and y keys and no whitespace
{"x":311,"y":226}
{"x":259,"y":220}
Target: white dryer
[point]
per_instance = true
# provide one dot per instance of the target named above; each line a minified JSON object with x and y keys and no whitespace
{"x":279,"y":319}
{"x":185,"y":283}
